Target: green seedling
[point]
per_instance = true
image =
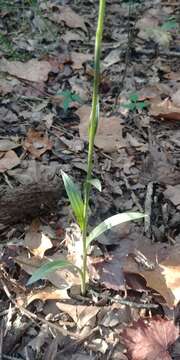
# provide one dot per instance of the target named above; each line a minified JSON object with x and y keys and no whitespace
{"x":79,"y":203}
{"x":135,"y":104}
{"x":69,"y":97}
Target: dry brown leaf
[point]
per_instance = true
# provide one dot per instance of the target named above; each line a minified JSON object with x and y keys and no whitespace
{"x":37,"y":143}
{"x":109,"y":134}
{"x":176,"y":98}
{"x":172,"y":76}
{"x":47,"y":293}
{"x":8,"y":160}
{"x":6,"y":145}
{"x":32,"y":70}
{"x":36,"y":240}
{"x":67,"y":15}
{"x":108,"y":272}
{"x":165,"y":278}
{"x":72,"y":36}
{"x":150,"y":341}
{"x":81,"y":314}
{"x":6,"y":87}
{"x":173,"y":194}
{"x":165,"y":109}
{"x":78,"y":59}
{"x":62,"y":279}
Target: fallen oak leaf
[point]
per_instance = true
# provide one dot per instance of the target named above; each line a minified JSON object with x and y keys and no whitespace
{"x":37,"y":143}
{"x":164,"y":278}
{"x":36,"y":240}
{"x":78,"y":59}
{"x":8,"y":160}
{"x":67,"y":15}
{"x":81,"y":314}
{"x":32,"y":70}
{"x":48,"y":293}
{"x":150,"y":340}
{"x":165,"y":109}
{"x":109,"y":133}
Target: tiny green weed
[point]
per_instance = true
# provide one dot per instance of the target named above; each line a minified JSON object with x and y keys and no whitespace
{"x":134,"y":103}
{"x":69,"y":97}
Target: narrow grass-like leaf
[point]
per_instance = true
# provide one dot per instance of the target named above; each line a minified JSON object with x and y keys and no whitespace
{"x":47,"y":268}
{"x":74,"y":198}
{"x":96,"y":183}
{"x":112,"y":221}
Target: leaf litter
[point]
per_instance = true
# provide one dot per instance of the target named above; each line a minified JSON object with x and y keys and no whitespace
{"x":39,"y":136}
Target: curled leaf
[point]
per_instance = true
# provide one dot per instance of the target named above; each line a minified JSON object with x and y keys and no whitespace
{"x":96,"y":183}
{"x":112,"y":221}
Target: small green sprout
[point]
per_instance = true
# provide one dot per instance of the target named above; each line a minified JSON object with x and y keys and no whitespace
{"x":135,"y":104}
{"x":69,"y":97}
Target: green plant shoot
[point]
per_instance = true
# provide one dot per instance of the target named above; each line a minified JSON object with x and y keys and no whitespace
{"x":134,"y":103}
{"x":79,"y":204}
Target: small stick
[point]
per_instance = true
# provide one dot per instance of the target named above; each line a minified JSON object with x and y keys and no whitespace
{"x":148,"y":208}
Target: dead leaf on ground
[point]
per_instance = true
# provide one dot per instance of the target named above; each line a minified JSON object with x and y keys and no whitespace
{"x":176,"y":98}
{"x":6,"y":144}
{"x":81,"y":314}
{"x":150,"y":340}
{"x":112,"y":58}
{"x":8,"y":160}
{"x":150,"y":92}
{"x":165,"y":109}
{"x":78,"y":59}
{"x":32,"y":70}
{"x":68,"y":16}
{"x":172,"y":76}
{"x":109,"y":134}
{"x":37,"y":143}
{"x":36,"y":240}
{"x":62,"y":279}
{"x":108,"y":272}
{"x":48,"y":293}
{"x":165,"y":277}
{"x":6,"y":87}
{"x":72,"y":36}
{"x":173,"y":194}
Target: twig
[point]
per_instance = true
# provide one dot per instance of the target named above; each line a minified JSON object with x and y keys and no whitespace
{"x":167,"y":53}
{"x":148,"y":208}
{"x":134,"y":304}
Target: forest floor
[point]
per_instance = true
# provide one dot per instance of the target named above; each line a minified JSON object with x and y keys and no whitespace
{"x":131,"y":310}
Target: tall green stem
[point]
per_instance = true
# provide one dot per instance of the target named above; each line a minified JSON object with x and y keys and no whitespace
{"x":92,"y":133}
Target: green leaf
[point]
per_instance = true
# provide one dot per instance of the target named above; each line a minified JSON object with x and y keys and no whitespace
{"x":112,"y":221}
{"x":131,"y":106}
{"x":45,"y":269}
{"x":169,"y":25}
{"x":66,"y":103}
{"x":74,"y":198}
{"x":76,"y":97}
{"x":96,"y":183}
{"x":142,"y":105}
{"x":133,"y":97}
